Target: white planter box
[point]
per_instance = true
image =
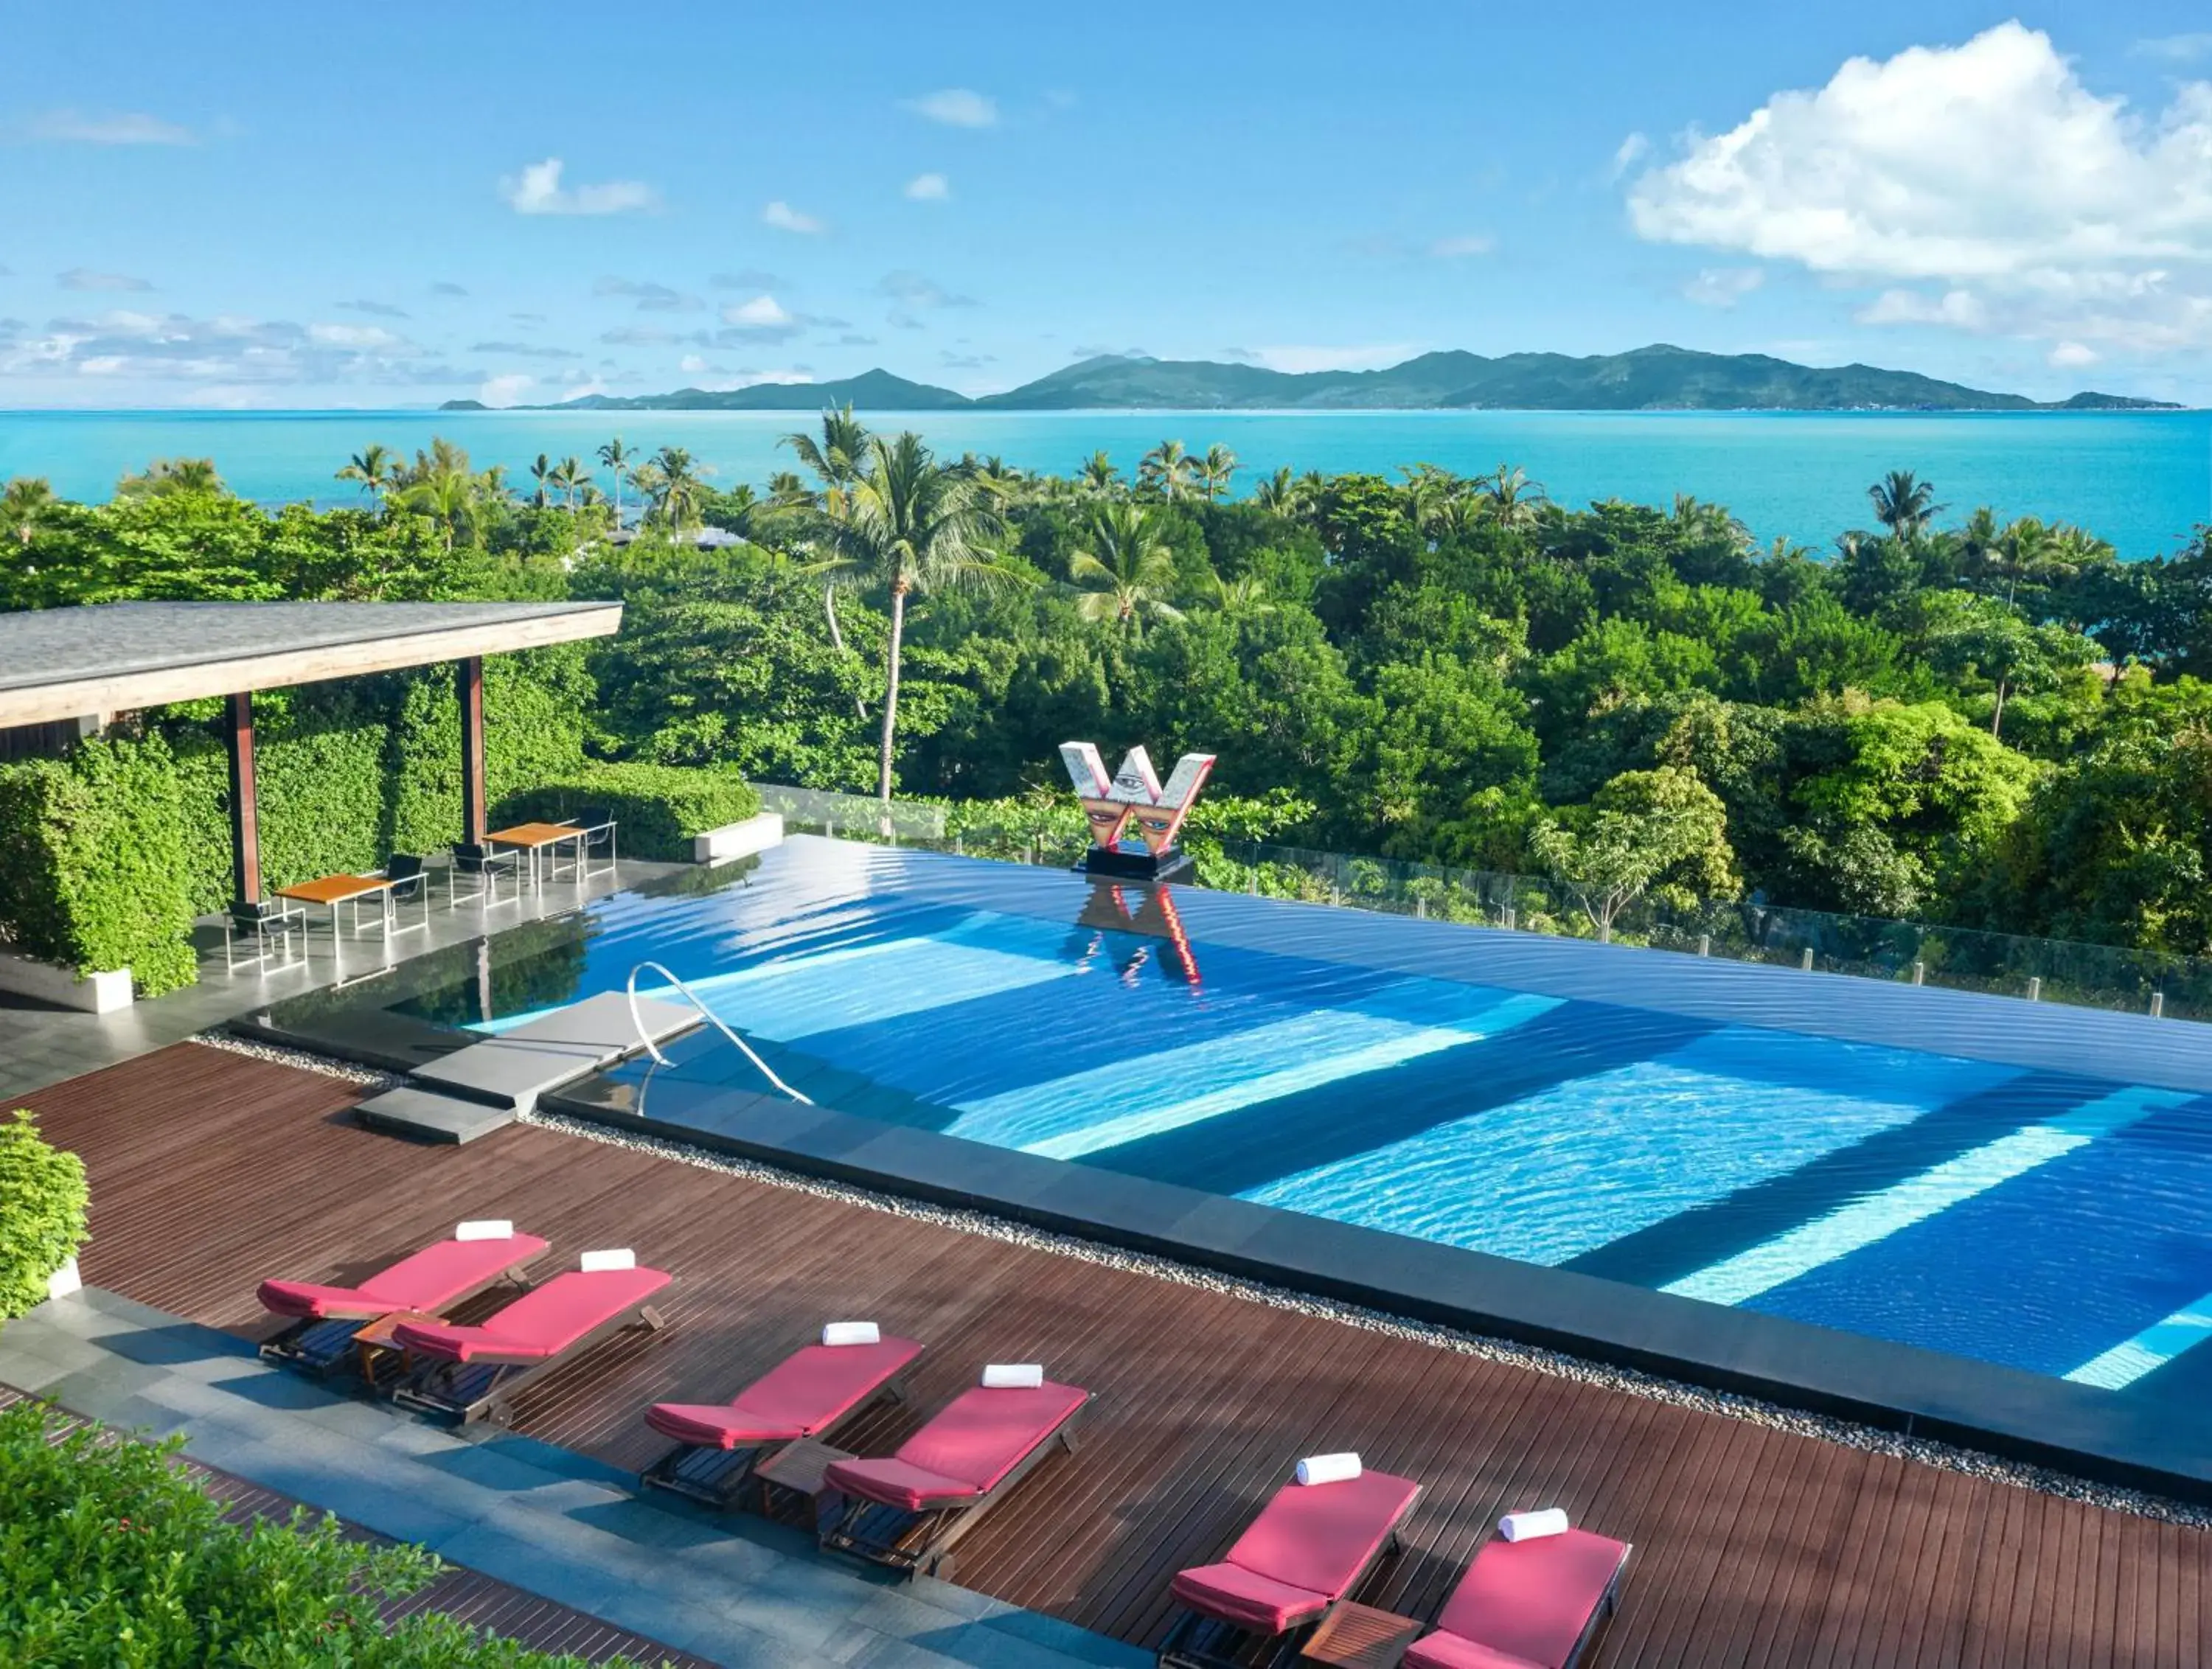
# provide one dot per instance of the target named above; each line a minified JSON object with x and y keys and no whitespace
{"x":64,"y":1281}
{"x":100,"y":993}
{"x":738,"y":839}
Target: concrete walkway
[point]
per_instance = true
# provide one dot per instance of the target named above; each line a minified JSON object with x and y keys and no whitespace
{"x":738,"y":1590}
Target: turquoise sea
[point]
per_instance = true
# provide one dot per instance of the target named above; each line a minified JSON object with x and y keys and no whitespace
{"x":2141,"y":480}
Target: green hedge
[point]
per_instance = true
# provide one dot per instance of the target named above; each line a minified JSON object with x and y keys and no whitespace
{"x":108,"y":1555}
{"x":94,"y":870}
{"x":42,"y":1204}
{"x":659,"y":807}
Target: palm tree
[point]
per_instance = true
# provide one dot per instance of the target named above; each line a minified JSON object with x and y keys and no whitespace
{"x":1098,"y":477}
{"x":570,"y":477}
{"x":374,"y":467}
{"x":1214,"y":469}
{"x":836,"y":456}
{"x":448,"y":497}
{"x":1512,"y":496}
{"x":680,"y":486}
{"x":1125,"y":573}
{"x":1244,"y":595}
{"x":1904,"y":504}
{"x":616,"y":457}
{"x":910,"y":524}
{"x":541,"y":471}
{"x":165,"y":476}
{"x":1166,"y":470}
{"x":648,"y":480}
{"x":25,"y":499}
{"x":1278,"y":493}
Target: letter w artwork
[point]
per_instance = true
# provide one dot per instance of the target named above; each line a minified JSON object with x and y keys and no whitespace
{"x":1133,"y":795}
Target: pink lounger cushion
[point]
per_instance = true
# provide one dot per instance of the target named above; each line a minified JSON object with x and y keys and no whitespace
{"x":1303,"y":1553}
{"x":540,"y":1323}
{"x":805,"y":1394}
{"x":1523,"y":1604}
{"x":427,"y":1280}
{"x":966,"y":1450}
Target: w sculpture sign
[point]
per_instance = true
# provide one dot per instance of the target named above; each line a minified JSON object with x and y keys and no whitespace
{"x":1132,"y":801}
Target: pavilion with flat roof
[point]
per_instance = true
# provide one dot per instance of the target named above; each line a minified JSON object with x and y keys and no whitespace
{"x":67,"y":672}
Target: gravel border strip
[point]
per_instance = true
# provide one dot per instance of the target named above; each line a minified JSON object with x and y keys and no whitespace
{"x":367,"y":1077}
{"x":1556,"y":1364}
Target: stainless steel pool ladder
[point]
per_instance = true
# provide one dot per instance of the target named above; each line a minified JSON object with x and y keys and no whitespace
{"x":709,"y":1017}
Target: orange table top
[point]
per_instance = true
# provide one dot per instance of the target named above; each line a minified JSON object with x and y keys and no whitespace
{"x":533,"y":835}
{"x":333,"y":888}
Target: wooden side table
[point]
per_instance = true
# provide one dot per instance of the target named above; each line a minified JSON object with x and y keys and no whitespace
{"x":1361,"y":1637}
{"x":799,"y":1470}
{"x":377,"y":1338}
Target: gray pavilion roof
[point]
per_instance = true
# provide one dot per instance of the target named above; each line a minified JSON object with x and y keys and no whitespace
{"x":110,"y":656}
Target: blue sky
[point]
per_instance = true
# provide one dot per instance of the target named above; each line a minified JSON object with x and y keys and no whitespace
{"x":310,"y":207}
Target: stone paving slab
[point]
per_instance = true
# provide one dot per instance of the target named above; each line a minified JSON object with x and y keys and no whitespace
{"x":741,"y":1592}
{"x":514,"y":1068}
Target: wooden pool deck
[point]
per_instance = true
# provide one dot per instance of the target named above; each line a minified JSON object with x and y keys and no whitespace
{"x":1754,"y":1546}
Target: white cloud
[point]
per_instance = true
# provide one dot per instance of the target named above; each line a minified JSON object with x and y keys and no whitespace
{"x":123,"y":127}
{"x":785,"y":218}
{"x":2073,"y":356}
{"x":83,"y":278}
{"x":538,"y":190}
{"x":1633,"y":149}
{"x":692,"y":364}
{"x":1959,"y":309}
{"x":928,"y":188}
{"x":1368,"y":358}
{"x":1472,"y":243}
{"x":763,"y":311}
{"x":956,"y":106}
{"x":798,"y":373}
{"x":354,"y":336}
{"x":445,"y":286}
{"x":918,"y":291}
{"x":1723,"y":287}
{"x":2176,"y":48}
{"x":505,"y":390}
{"x":1988,"y":175}
{"x":377,"y":309}
{"x":650,"y":296}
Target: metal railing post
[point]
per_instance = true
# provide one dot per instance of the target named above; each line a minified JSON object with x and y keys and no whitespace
{"x":710,"y":1017}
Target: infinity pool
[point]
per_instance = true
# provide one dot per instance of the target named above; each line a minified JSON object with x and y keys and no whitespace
{"x":2025,"y":1214}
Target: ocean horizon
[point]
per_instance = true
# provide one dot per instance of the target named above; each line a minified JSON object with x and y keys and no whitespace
{"x":2141,"y":480}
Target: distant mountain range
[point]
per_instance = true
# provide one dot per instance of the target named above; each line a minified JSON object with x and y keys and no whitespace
{"x":1655,"y":379}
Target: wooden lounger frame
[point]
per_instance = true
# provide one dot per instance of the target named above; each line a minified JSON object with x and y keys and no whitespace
{"x":717,"y":1477}
{"x":462,"y":1392}
{"x":922,"y":1540}
{"x":1199,"y":1642}
{"x":322,"y":1345}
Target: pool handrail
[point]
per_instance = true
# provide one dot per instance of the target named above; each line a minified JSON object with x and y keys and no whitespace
{"x":711,"y":1018}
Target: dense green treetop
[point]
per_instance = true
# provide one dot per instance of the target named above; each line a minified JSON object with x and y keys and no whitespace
{"x":1996,"y":724}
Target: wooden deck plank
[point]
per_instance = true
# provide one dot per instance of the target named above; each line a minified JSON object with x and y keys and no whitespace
{"x":1754,"y":1546}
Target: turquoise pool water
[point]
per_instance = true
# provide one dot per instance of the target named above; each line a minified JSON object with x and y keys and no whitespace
{"x":2047,"y":1220}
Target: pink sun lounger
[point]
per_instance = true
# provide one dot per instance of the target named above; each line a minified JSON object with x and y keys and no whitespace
{"x":1311,"y":1545}
{"x":907,"y":1511}
{"x":462,"y":1374}
{"x":1527,"y":1604}
{"x":433,"y":1280}
{"x":809,"y":1393}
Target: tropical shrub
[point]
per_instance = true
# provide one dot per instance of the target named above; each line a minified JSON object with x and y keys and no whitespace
{"x":110,"y":1555}
{"x":42,"y":1205}
{"x":93,"y":870}
{"x":659,"y":807}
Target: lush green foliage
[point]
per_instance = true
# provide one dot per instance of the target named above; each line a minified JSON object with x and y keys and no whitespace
{"x":42,"y":1204}
{"x":93,"y":862}
{"x":659,"y":807}
{"x":1995,"y":726}
{"x":110,"y":1555}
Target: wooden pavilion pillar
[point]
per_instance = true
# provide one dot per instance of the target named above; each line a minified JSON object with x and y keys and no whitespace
{"x":470,"y":686}
{"x":245,"y":811}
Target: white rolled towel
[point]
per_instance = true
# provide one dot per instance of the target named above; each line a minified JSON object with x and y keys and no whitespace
{"x":1014,"y":1375}
{"x":614,"y":1258}
{"x":1527,"y":1526}
{"x":1328,"y":1468}
{"x":852,"y":1332}
{"x":485,"y":1228}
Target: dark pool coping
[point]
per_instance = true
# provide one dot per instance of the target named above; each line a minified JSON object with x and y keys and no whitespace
{"x":2134,"y":1442}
